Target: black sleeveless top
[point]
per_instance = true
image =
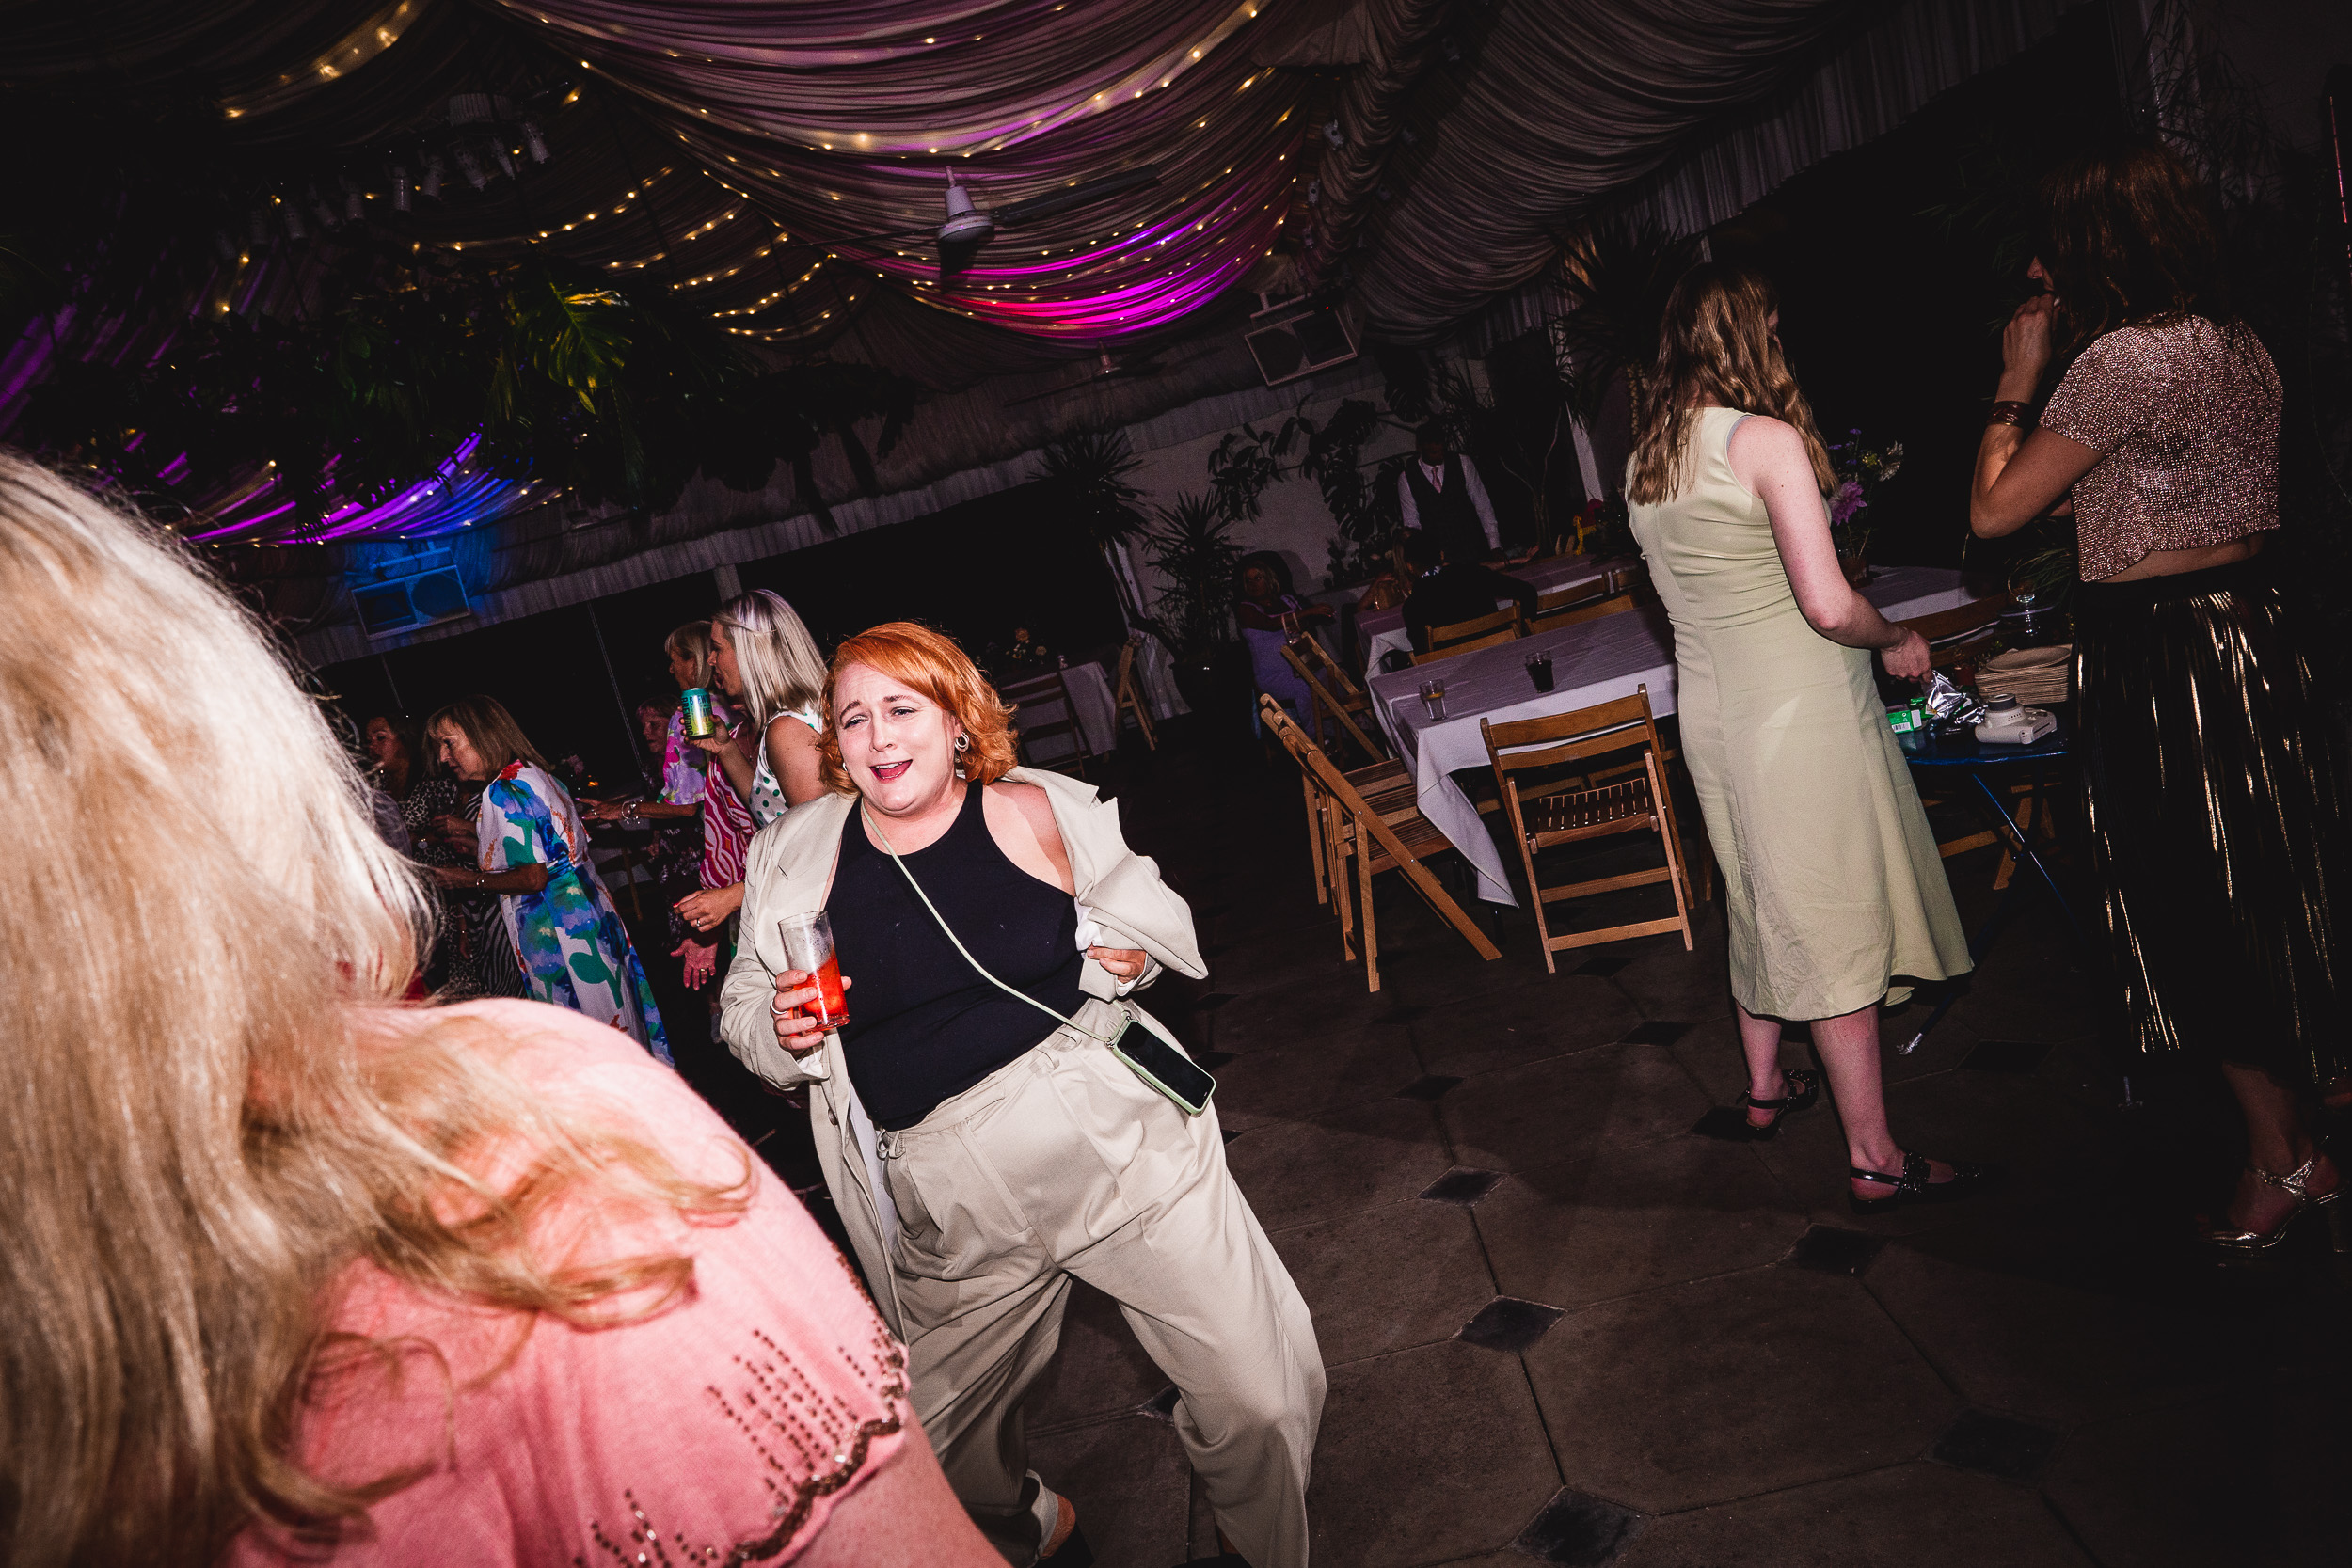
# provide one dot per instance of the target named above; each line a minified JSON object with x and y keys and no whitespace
{"x":923,"y":1025}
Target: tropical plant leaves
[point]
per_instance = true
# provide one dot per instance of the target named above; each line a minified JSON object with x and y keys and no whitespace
{"x":1192,"y":546}
{"x":1087,"y":473}
{"x":1618,"y":274}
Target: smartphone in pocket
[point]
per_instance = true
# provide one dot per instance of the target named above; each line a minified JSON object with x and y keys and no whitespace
{"x":1164,"y":1068}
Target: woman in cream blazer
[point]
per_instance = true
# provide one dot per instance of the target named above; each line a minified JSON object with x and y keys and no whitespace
{"x":1061,"y":1163}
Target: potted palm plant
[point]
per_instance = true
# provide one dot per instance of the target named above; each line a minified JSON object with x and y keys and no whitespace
{"x":1192,"y":546}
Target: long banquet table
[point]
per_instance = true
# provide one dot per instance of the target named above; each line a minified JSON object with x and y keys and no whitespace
{"x":1593,"y":661}
{"x":1378,"y":631}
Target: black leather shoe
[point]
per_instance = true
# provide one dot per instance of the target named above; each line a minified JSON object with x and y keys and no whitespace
{"x":1913,"y":1186}
{"x":1800,"y":1090}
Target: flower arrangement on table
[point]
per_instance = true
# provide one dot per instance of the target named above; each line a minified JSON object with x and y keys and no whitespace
{"x":1600,"y":528}
{"x":1860,"y":471}
{"x":1024,"y":656}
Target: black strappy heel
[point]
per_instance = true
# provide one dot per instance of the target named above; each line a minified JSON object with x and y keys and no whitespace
{"x":1800,"y":1090}
{"x":1913,"y":1186}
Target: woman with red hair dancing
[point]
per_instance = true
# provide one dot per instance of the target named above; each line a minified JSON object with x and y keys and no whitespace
{"x":980,"y":1156}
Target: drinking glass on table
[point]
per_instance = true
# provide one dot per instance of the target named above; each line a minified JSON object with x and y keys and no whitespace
{"x":1433,"y":699}
{"x":808,"y":947}
{"x":1539,"y":670}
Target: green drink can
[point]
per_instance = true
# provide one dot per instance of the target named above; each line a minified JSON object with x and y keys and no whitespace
{"x":695,"y":702}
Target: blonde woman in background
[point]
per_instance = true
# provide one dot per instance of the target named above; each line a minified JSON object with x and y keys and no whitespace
{"x":293,"y":1269}
{"x":687,"y":790}
{"x":1832,"y":882}
{"x":763,"y":658}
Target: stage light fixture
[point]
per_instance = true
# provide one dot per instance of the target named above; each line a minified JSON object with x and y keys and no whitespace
{"x":400,"y":190}
{"x":536,"y":143}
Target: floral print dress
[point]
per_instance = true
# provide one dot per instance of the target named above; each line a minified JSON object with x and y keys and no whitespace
{"x":568,"y":935}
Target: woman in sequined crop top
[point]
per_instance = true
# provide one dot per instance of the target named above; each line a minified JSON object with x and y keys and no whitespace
{"x":2166,"y":430}
{"x":2210,"y":796}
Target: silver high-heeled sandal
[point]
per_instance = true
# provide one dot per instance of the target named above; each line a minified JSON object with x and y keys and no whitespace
{"x":2297,"y":1185}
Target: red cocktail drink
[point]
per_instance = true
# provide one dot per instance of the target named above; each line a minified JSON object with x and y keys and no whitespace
{"x":831,"y":1008}
{"x":808,"y":946}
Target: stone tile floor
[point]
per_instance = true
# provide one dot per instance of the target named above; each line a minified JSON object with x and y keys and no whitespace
{"x":1562,"y":1327}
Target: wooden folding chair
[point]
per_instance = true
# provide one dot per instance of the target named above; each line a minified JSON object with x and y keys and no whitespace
{"x":1479,"y":631}
{"x":1551,"y":608}
{"x":1389,"y":835}
{"x":1041,"y":694}
{"x":1549,"y":815}
{"x":1383,"y":782}
{"x":1331,"y":692}
{"x":1127,"y":695}
{"x":1593,"y":608}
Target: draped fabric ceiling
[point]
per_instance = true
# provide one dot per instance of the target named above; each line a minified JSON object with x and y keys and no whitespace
{"x":1418,"y":155}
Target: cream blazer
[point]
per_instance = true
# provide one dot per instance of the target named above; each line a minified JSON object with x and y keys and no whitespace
{"x":1118,"y":893}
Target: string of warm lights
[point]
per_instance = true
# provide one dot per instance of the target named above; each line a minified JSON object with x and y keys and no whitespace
{"x":1159,"y":72}
{"x":347,"y":53}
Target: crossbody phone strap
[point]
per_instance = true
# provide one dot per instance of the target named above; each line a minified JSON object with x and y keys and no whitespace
{"x":959,"y":940}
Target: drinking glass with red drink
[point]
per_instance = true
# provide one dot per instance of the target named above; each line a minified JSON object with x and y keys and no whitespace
{"x":808,"y":946}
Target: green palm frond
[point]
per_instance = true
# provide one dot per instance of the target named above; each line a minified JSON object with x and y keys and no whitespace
{"x":1088,"y":474}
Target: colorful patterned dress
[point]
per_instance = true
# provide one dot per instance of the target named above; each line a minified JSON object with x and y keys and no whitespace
{"x":568,"y":935}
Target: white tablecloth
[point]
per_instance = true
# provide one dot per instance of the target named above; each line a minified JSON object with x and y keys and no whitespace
{"x":1098,"y":708}
{"x":1097,"y":714}
{"x":1593,"y":662}
{"x":1384,"y":629}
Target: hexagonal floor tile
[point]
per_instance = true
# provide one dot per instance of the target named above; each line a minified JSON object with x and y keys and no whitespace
{"x":1914,"y":1515}
{"x":1571,"y":1106}
{"x":1428,"y":1455}
{"x":1641,"y":1216}
{"x":1343,"y":1161}
{"x":1725,"y":1387}
{"x":1388,"y":1278}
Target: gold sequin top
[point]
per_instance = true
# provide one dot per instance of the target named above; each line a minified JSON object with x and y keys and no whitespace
{"x":2187,"y":415}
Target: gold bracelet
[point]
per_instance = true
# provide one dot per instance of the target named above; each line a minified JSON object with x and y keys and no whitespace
{"x":2010,"y":413}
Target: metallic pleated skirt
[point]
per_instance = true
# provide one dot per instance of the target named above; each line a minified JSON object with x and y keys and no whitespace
{"x":2217,"y":825}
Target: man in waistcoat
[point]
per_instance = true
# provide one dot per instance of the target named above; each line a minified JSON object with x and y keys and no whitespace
{"x":1443,"y":497}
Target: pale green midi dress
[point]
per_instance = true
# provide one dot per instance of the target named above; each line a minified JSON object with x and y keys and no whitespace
{"x":1832,"y":882}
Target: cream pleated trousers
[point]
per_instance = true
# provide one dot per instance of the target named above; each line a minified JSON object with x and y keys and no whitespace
{"x":1065,"y":1164}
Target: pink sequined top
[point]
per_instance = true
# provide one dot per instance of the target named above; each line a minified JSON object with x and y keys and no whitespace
{"x":723,"y":1429}
{"x":2187,"y":415}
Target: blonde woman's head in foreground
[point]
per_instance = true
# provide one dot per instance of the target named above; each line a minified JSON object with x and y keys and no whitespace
{"x":203,"y":945}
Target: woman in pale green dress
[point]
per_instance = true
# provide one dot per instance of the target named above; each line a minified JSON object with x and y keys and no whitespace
{"x":1832,"y":881}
